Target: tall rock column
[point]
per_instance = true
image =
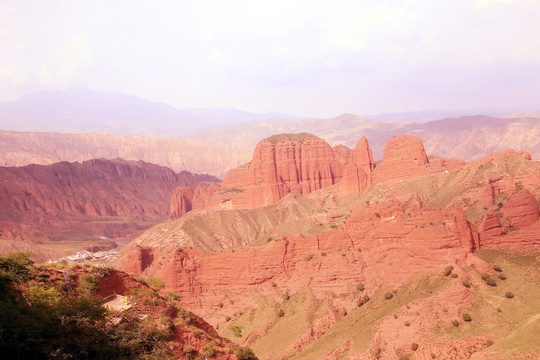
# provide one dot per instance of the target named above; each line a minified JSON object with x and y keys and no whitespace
{"x":357,"y":172}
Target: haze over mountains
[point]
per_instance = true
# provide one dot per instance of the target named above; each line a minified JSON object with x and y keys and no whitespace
{"x":214,"y":140}
{"x":80,"y":110}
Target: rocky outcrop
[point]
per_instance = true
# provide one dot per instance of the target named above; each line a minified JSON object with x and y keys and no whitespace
{"x":404,"y":158}
{"x":357,"y":172}
{"x":281,"y":164}
{"x":81,"y":201}
{"x":521,"y":209}
{"x":181,"y":202}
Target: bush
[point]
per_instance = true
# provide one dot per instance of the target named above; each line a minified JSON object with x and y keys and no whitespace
{"x":414,"y":346}
{"x":509,"y":294}
{"x":208,"y":350}
{"x":466,"y":283}
{"x":467,"y":317}
{"x":189,"y":351}
{"x":281,"y":313}
{"x":502,"y":276}
{"x":155,"y":283}
{"x":497,"y":268}
{"x":87,"y":284}
{"x":454,"y":275}
{"x":433,"y":356}
{"x":388,"y":296}
{"x":491,"y":282}
{"x":227,"y":318}
{"x":448,"y":270}
{"x":246,"y":354}
{"x":286,"y":296}
{"x":363,"y":300}
{"x":455,"y":323}
{"x":236,"y":329}
{"x":323,"y":253}
{"x":484,"y":276}
{"x":407,"y":323}
{"x":360,"y":287}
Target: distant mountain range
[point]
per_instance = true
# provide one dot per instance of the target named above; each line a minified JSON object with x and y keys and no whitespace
{"x":214,"y":140}
{"x":79,"y":110}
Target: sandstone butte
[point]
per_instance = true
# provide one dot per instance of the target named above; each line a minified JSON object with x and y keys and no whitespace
{"x":303,"y":163}
{"x":414,"y":216}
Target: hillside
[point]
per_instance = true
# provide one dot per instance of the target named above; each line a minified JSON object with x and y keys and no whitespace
{"x":69,"y":206}
{"x":24,"y":148}
{"x":426,"y":260}
{"x":84,"y":311}
{"x":466,"y":138}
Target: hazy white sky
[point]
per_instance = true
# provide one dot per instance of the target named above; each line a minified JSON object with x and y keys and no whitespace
{"x":308,"y":58}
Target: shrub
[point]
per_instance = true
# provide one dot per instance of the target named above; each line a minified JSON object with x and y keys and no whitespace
{"x":189,"y":351}
{"x":364,"y":299}
{"x":388,"y":296}
{"x":236,"y":329}
{"x":491,"y":282}
{"x":360,"y":287}
{"x":407,"y":323}
{"x":509,"y":294}
{"x":455,"y":323}
{"x":87,"y":284}
{"x":454,"y":275}
{"x":220,"y":305}
{"x":448,"y":270}
{"x":323,"y":253}
{"x":502,"y":276}
{"x":484,"y":276}
{"x":172,"y":296}
{"x":281,"y":313}
{"x":466,"y":283}
{"x":497,"y":268}
{"x":208,"y":350}
{"x":414,"y":346}
{"x":155,"y":283}
{"x":286,"y":296}
{"x":227,"y":318}
{"x":333,"y":226}
{"x":433,"y":356}
{"x":310,"y":257}
{"x":467,"y":317}
{"x":246,"y":354}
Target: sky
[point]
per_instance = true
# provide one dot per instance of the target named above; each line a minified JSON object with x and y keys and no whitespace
{"x":304,"y":58}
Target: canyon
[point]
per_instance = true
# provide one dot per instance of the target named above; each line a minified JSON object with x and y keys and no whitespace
{"x":75,"y":205}
{"x":329,"y":253}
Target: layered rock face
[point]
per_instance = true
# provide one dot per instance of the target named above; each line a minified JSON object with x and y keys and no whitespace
{"x":281,"y":164}
{"x":383,"y":239}
{"x":181,"y":202}
{"x":357,"y":172}
{"x":85,"y":200}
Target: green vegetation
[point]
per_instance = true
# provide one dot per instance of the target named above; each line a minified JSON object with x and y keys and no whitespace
{"x":509,"y":294}
{"x":245,"y":354}
{"x":414,"y":346}
{"x":388,"y":295}
{"x":467,"y":317}
{"x":466,"y":283}
{"x":48,"y":324}
{"x":236,"y":329}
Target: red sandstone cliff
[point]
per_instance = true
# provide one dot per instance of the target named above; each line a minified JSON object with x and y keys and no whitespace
{"x":386,"y":237}
{"x":281,"y":164}
{"x":81,"y":201}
